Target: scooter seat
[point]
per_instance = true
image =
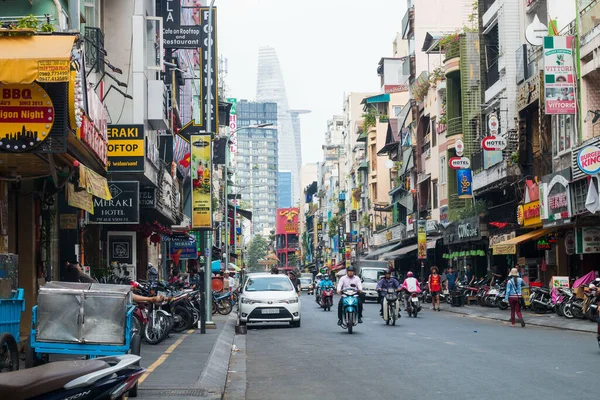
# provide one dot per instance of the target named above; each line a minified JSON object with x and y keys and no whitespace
{"x":32,"y":382}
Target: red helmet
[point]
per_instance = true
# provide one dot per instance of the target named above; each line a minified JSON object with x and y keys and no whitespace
{"x":409,"y":274}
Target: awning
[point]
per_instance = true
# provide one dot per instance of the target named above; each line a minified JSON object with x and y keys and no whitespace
{"x":244,"y":213}
{"x":405,"y":250}
{"x":42,"y":58}
{"x":362,"y":137}
{"x":380,"y":98}
{"x":382,"y":250}
{"x":338,"y":266}
{"x":363,"y":165}
{"x":510,"y":246}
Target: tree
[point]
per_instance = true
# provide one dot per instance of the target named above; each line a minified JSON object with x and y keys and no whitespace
{"x":257,"y":249}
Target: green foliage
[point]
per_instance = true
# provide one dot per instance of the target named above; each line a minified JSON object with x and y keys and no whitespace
{"x":366,"y":221}
{"x":28,"y":22}
{"x":332,"y":228}
{"x":437,"y":74}
{"x":514,"y":157}
{"x":257,"y":249}
{"x":473,"y":209}
{"x":420,"y":88}
{"x":48,"y":28}
{"x":370,"y":119}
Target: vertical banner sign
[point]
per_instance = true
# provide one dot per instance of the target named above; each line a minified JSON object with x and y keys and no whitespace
{"x":201,"y":182}
{"x":209,"y":38}
{"x":422,"y":239}
{"x":464,"y":179}
{"x":175,"y":35}
{"x":232,"y":132}
{"x":559,"y":77}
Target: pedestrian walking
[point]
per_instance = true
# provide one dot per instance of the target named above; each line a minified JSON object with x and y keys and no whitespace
{"x":434,"y":284}
{"x":514,"y":296}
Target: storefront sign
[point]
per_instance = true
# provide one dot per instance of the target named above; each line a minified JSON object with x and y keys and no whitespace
{"x":68,"y":221}
{"x":587,"y":240}
{"x":176,"y":36}
{"x":459,"y":147}
{"x":464,"y":179}
{"x":183,"y":249}
{"x":201,"y":181}
{"x":466,"y":230}
{"x":529,"y":214}
{"x":287,"y":222}
{"x":543,"y":244}
{"x":395,"y":88}
{"x":164,"y":203}
{"x":209,"y":39}
{"x":432,"y":225}
{"x":126,"y":148}
{"x":124,"y":208}
{"x":53,"y":71}
{"x":422,"y":239}
{"x":560,"y":282}
{"x":444,"y":214}
{"x":588,"y":160}
{"x":493,"y":143}
{"x":26,"y":117}
{"x":459,"y":163}
{"x":93,"y":183}
{"x":555,"y":202}
{"x":82,"y":199}
{"x":94,"y":140}
{"x":494,"y":240}
{"x":570,"y":243}
{"x":559,"y":81}
{"x":147,"y":197}
{"x":152,"y":153}
{"x":528,"y":92}
{"x":493,"y":124}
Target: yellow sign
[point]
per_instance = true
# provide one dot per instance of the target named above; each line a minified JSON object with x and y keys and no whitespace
{"x":126,"y":148}
{"x":422,"y":239}
{"x":531,"y":214}
{"x":26,"y":117}
{"x":80,"y":199}
{"x":201,"y":181}
{"x":94,"y":184}
{"x":53,"y":71}
{"x":68,"y":221}
{"x":520,"y":218}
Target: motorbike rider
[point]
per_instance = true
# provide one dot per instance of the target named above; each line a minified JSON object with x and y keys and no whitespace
{"x":346,"y":282}
{"x":410,"y":285}
{"x":325,"y":282}
{"x":385,"y":283}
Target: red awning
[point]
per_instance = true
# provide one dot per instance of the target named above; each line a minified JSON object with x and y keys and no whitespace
{"x":338,"y":266}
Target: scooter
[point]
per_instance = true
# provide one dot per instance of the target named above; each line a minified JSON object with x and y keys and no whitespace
{"x":327,"y":298}
{"x":413,"y":305}
{"x":99,"y":379}
{"x":390,"y":306}
{"x":541,"y":300}
{"x":318,"y":296}
{"x":349,"y":308}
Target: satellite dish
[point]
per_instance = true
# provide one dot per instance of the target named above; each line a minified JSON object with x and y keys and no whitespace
{"x":535,"y":32}
{"x":389,"y":164}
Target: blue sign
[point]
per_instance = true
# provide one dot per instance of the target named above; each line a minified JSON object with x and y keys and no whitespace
{"x":186,"y":249}
{"x":464,"y":178}
{"x":354,"y":237}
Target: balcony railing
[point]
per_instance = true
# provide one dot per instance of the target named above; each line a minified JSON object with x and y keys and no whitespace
{"x":454,"y":126}
{"x":94,"y":49}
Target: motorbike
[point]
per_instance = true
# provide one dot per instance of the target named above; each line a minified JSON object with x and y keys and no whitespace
{"x":349,"y":308}
{"x":100,"y":378}
{"x":594,"y":310}
{"x":541,"y":300}
{"x":413,"y":305}
{"x":318,"y":296}
{"x":390,"y":306}
{"x":327,"y":298}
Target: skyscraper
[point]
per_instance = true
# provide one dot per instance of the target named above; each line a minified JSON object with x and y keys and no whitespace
{"x":271,"y":87}
{"x":256,"y":174}
{"x":284,"y":189}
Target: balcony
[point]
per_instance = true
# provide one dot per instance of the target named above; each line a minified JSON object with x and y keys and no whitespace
{"x":454,"y":126}
{"x":94,"y":49}
{"x":408,"y":23}
{"x":493,"y":175}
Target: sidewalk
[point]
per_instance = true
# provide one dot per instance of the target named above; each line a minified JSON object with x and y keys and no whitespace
{"x":531,"y":318}
{"x":189,"y":365}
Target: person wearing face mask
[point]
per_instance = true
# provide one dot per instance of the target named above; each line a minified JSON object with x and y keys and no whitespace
{"x":385,"y":283}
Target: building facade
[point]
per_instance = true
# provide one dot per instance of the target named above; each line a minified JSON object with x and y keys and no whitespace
{"x":284,"y":189}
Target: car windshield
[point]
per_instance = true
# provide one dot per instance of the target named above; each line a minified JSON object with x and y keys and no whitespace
{"x":369,"y":274}
{"x":305,"y":281}
{"x":270,"y":284}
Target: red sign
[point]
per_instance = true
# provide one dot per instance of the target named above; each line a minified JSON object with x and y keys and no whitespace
{"x":94,"y":140}
{"x":395,"y":88}
{"x":287,"y":221}
{"x":493,"y":143}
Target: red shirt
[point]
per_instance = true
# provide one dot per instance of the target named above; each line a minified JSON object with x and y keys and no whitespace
{"x":434,"y":282}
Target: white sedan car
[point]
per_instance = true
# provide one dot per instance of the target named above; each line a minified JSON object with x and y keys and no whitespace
{"x":269,"y":298}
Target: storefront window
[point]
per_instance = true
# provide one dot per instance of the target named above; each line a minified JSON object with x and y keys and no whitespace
{"x":563,"y":127}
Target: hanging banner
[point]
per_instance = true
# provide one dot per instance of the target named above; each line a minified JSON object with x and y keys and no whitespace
{"x":81,"y":199}
{"x":209,"y":39}
{"x":464,"y":179}
{"x":201,"y":182}
{"x":559,"y":80}
{"x":422,"y":239}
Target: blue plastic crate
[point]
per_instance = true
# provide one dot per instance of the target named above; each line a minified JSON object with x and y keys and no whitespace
{"x":10,"y":314}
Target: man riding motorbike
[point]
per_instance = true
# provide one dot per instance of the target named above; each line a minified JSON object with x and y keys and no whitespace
{"x":385,"y":283}
{"x":325,"y":282}
{"x":410,"y":285}
{"x":344,"y":283}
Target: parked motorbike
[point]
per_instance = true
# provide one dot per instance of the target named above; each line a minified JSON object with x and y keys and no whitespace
{"x":413,"y":305}
{"x":541,"y":300}
{"x":327,"y":298}
{"x":349,"y":308}
{"x":100,"y":378}
{"x":390,"y":306}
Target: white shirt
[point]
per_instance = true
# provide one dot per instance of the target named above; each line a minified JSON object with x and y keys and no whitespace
{"x":346,"y":282}
{"x":411,"y":284}
{"x":231,"y":282}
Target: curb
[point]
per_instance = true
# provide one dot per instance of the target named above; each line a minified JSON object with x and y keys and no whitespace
{"x":529,"y":321}
{"x":237,"y":378}
{"x":214,"y":375}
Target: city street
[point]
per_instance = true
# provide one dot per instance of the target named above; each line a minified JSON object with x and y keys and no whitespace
{"x":437,"y":355}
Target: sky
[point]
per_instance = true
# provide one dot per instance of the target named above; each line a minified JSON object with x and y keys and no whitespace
{"x":326,"y":48}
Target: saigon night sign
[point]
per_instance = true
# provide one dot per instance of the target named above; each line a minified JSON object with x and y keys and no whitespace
{"x":26,"y":116}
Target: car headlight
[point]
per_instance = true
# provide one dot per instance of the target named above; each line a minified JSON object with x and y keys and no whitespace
{"x":246,"y":300}
{"x":292,"y":301}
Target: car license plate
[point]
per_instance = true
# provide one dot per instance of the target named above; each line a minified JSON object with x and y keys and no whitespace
{"x":415,"y":300}
{"x":270,"y":311}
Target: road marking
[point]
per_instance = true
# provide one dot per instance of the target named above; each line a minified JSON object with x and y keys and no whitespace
{"x":450,"y":343}
{"x":163,"y":357}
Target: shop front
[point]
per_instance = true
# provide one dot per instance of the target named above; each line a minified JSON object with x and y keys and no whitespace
{"x":51,"y":144}
{"x":467,"y":242}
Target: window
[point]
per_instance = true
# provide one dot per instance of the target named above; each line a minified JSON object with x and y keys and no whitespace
{"x":434,"y":195}
{"x":442,"y":170}
{"x":563,"y":127}
{"x":433,"y":133}
{"x":92,"y":13}
{"x":396,"y":110}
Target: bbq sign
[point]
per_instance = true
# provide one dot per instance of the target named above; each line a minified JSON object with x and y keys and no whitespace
{"x":459,"y":163}
{"x":26,"y":117}
{"x":493,"y":143}
{"x":588,"y":160}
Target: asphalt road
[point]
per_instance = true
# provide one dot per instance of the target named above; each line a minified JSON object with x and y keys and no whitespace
{"x":437,"y":355}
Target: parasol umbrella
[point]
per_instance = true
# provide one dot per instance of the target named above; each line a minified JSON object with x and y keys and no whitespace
{"x":233,"y":267}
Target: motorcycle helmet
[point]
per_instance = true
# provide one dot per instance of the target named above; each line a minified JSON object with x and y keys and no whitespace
{"x":409,"y":274}
{"x":351,"y":268}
